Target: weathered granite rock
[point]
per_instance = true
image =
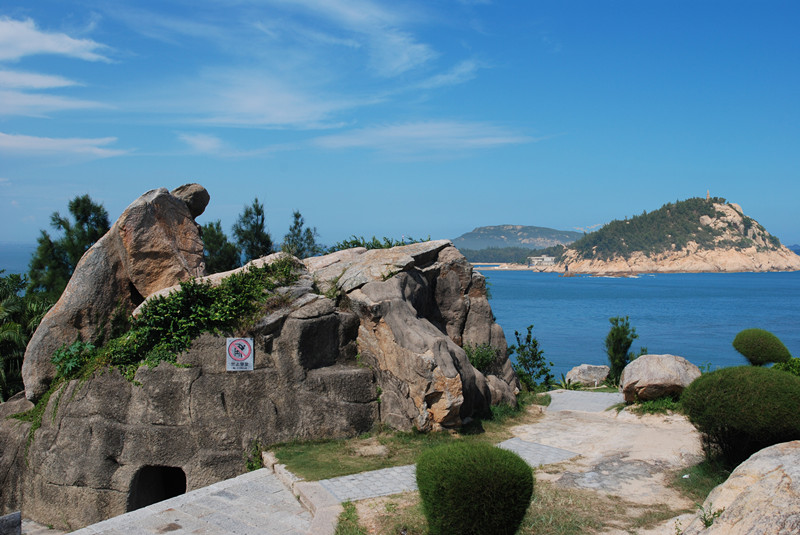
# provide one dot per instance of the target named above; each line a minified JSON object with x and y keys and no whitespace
{"x":382,"y":345}
{"x":155,"y":243}
{"x":588,"y":375}
{"x":760,"y":497}
{"x":195,"y":196}
{"x":656,"y":376}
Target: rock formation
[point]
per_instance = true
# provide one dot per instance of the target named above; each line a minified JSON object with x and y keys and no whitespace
{"x":656,"y":376}
{"x":740,"y":244}
{"x":588,"y":375}
{"x":154,"y":244}
{"x":361,"y":337}
{"x":760,"y":497}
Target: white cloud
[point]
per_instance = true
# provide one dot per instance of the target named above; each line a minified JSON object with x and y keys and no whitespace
{"x":424,"y":137}
{"x":30,"y":80}
{"x":394,"y":52}
{"x":37,"y":105}
{"x":20,"y":38}
{"x":204,"y":143}
{"x":29,"y":145}
{"x":462,"y":72}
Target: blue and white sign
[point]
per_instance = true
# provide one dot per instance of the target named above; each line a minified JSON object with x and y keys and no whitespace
{"x":239,"y":354}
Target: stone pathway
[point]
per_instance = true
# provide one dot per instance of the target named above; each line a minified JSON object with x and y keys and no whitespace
{"x":256,"y":503}
{"x":263,"y":502}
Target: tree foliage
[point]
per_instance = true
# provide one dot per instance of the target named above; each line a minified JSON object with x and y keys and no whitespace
{"x":301,"y":241}
{"x":618,"y":344}
{"x":55,"y":258}
{"x":20,"y":314}
{"x":218,"y":252}
{"x":531,"y":367}
{"x":760,"y":347}
{"x":251,"y":233}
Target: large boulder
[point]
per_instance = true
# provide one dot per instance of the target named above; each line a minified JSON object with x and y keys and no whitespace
{"x":155,"y":243}
{"x":588,"y":375}
{"x":760,"y":497}
{"x":656,"y":376}
{"x":362,"y":337}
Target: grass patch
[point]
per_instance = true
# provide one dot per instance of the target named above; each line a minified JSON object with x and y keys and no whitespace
{"x":702,"y":478}
{"x":314,"y":460}
{"x":655,"y":406}
{"x":604,"y":388}
{"x":348,"y":521}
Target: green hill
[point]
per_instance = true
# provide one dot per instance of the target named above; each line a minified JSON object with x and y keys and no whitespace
{"x":517,"y":236}
{"x":708,"y":223}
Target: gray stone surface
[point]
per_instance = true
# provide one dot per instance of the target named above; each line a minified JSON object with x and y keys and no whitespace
{"x":255,"y":503}
{"x":11,"y":524}
{"x":576,"y":400}
{"x":536,"y":454}
{"x":372,"y":484}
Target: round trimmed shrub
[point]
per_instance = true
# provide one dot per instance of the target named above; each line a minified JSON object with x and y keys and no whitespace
{"x":473,"y":488}
{"x":744,"y":409}
{"x":760,"y":347}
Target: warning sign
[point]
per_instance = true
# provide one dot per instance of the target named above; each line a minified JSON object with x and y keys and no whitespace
{"x":239,"y":355}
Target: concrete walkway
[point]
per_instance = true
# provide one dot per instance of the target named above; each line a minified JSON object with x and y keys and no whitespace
{"x":272,"y":501}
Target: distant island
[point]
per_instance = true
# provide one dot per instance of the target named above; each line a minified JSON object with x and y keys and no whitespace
{"x":512,"y":243}
{"x":695,"y":235}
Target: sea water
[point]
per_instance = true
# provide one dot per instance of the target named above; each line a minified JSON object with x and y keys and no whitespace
{"x":693,"y":315}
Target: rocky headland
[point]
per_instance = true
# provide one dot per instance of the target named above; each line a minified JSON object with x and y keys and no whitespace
{"x":719,"y":238}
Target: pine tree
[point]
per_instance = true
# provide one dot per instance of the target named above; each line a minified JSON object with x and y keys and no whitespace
{"x":218,"y":252}
{"x":251,"y":233}
{"x":301,"y":242}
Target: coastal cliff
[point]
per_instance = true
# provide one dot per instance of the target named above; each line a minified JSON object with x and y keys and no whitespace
{"x":696,"y":235}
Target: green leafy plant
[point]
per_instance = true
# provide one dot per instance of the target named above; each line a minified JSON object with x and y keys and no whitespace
{"x":741,"y":410}
{"x":473,"y":488}
{"x":708,"y":516}
{"x":481,"y":356}
{"x":70,"y":359}
{"x":792,"y":366}
{"x":374,"y":243}
{"x":567,"y":384}
{"x":252,"y":457}
{"x":618,"y":343}
{"x":760,"y":347}
{"x":531,"y":367}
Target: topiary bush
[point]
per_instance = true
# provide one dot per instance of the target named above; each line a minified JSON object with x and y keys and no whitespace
{"x":744,"y":409}
{"x":473,"y":488}
{"x":760,"y":347}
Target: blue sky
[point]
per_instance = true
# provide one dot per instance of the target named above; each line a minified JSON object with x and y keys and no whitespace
{"x":401,"y":118}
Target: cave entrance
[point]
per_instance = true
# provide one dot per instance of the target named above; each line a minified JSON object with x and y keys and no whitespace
{"x":153,"y":484}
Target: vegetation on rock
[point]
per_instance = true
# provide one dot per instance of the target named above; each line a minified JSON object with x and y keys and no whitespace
{"x":743,"y":409}
{"x":373,"y":243}
{"x":473,"y":488}
{"x":760,"y":347}
{"x":480,"y":356}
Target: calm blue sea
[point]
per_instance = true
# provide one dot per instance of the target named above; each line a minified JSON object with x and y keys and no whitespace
{"x":14,"y":257}
{"x":694,"y":315}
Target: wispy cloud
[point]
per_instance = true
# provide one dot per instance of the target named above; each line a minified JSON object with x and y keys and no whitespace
{"x":203,"y":143}
{"x":38,"y":105}
{"x":20,"y":38}
{"x":29,"y":145}
{"x":462,"y":72}
{"x":31,"y":80}
{"x":424,"y":138}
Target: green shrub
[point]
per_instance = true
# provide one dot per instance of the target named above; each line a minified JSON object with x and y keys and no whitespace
{"x":741,"y":410}
{"x":760,"y":347}
{"x":473,"y":488}
{"x":480,"y":356}
{"x":618,"y":343}
{"x":792,"y":366}
{"x":531,"y":367}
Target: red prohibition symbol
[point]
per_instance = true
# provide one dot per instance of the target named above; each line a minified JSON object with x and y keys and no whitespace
{"x":240,"y":350}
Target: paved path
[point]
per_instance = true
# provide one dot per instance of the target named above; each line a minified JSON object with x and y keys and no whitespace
{"x":579,"y":400}
{"x":256,"y":503}
{"x":261,"y":502}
